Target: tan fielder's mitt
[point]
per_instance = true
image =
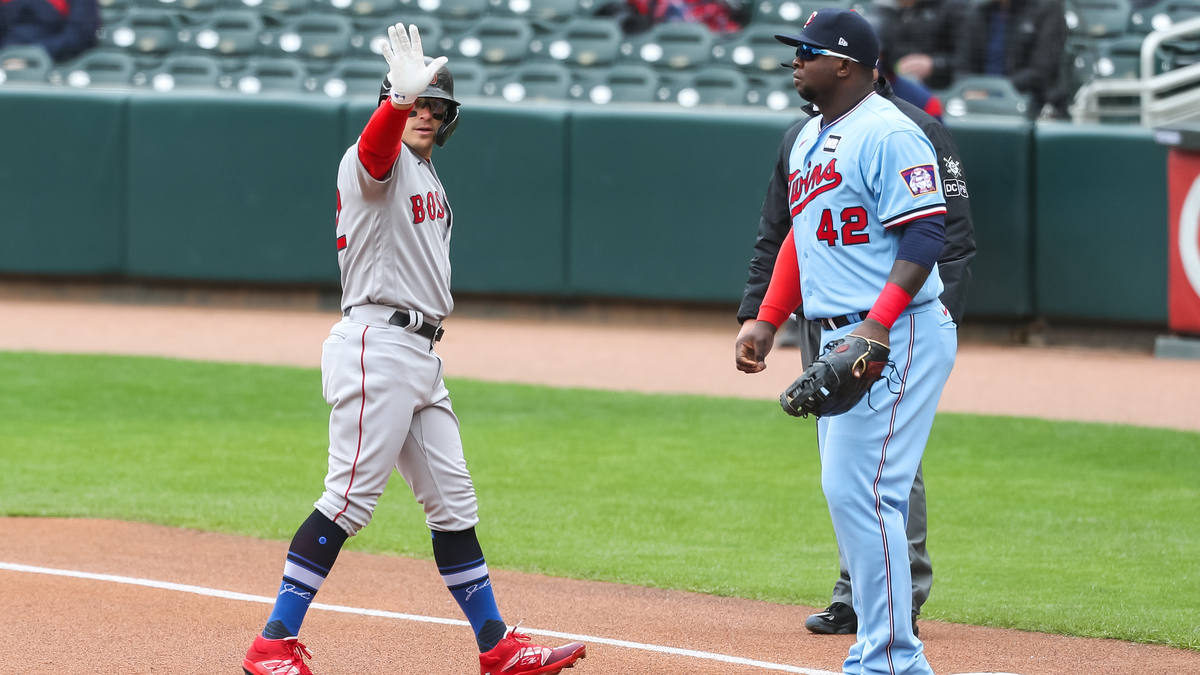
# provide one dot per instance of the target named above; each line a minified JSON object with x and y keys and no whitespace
{"x":838,"y":380}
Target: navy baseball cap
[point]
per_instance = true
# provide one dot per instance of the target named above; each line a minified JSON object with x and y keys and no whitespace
{"x":841,"y":31}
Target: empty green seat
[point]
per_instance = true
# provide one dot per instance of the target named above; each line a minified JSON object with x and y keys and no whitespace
{"x":494,"y":39}
{"x":228,"y":33}
{"x":984,"y":96}
{"x":582,"y":42}
{"x":554,"y":10}
{"x":358,"y":8}
{"x":1119,"y":59}
{"x":756,"y":50}
{"x":315,"y":36}
{"x":96,"y":68}
{"x":469,"y":78}
{"x":271,"y":75}
{"x":280,"y":6}
{"x":715,"y":85}
{"x":619,"y":84}
{"x":355,"y":77}
{"x":532,"y":81}
{"x":777,"y":92}
{"x":24,"y":63}
{"x":1102,"y":18}
{"x":143,"y":31}
{"x":452,"y":9}
{"x":188,"y":5}
{"x":186,"y":71}
{"x":671,"y":45}
{"x":1163,"y":15}
{"x":786,"y":12}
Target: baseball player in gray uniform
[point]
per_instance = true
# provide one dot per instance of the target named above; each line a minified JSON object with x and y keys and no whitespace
{"x":380,"y":373}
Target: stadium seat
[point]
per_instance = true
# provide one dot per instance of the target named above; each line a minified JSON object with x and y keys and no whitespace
{"x":357,"y":7}
{"x":188,"y":71}
{"x":280,"y":6}
{"x":24,"y":63}
{"x":355,"y":77}
{"x":714,"y":85}
{"x":188,"y":5}
{"x":582,"y":42}
{"x":1103,"y":18}
{"x":531,"y":82}
{"x":984,"y":96}
{"x":96,"y":68}
{"x":782,"y":12}
{"x":1163,"y":15}
{"x":620,"y":84}
{"x":756,"y":50}
{"x":315,"y":36}
{"x":469,"y":78}
{"x":1079,"y":61}
{"x":263,"y":75}
{"x":671,"y":45}
{"x":554,"y":10}
{"x":113,"y":5}
{"x":452,"y":9}
{"x":493,"y":40}
{"x":776,"y":92}
{"x":368,"y":41}
{"x":1119,"y":59}
{"x":143,"y":31}
{"x":228,"y":33}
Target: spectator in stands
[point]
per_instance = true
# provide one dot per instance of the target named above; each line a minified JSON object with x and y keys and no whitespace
{"x":639,"y":16}
{"x":1022,"y":40}
{"x":918,"y":39}
{"x":65,"y":28}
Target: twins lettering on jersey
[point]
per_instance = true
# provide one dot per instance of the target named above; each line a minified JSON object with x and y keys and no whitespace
{"x":431,"y":204}
{"x":804,"y":187}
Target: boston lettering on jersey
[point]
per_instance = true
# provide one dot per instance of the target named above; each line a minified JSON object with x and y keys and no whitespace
{"x":804,"y":187}
{"x":430,"y":204}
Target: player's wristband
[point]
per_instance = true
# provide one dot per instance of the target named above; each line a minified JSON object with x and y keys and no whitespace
{"x":403,"y":100}
{"x":889,"y":304}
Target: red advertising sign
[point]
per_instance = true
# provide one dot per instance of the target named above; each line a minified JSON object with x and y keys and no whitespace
{"x":1183,"y":285}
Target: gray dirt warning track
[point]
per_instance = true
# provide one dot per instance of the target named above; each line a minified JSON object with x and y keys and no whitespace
{"x":59,"y":624}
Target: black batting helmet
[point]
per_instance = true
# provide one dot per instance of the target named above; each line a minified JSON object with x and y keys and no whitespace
{"x":441,"y":87}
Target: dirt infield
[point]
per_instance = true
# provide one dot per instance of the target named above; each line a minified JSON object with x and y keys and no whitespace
{"x":61,"y":624}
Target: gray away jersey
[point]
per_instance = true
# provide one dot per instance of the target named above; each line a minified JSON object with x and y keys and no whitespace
{"x":393,"y":236}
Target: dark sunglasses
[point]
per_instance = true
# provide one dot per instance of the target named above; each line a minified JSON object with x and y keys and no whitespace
{"x":437,"y":108}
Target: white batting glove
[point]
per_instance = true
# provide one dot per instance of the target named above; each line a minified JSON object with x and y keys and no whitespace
{"x":409,"y":75}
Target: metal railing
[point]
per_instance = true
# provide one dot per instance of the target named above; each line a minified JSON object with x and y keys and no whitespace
{"x":1153,"y":99}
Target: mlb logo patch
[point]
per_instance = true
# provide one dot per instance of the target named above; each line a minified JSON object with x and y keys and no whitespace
{"x":831,"y":143}
{"x":919,"y":180}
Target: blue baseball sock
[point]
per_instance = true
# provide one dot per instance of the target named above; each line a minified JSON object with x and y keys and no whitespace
{"x":460,"y":562}
{"x":310,"y":557}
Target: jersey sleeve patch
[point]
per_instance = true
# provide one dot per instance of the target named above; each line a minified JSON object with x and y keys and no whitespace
{"x":919,"y":179}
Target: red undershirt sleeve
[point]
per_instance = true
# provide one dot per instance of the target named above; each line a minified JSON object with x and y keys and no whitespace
{"x":783,"y":293}
{"x":379,"y":145}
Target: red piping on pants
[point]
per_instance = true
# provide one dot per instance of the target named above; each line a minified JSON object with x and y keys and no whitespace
{"x":362,"y":364}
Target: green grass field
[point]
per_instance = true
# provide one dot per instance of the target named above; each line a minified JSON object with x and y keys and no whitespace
{"x":1082,"y":529}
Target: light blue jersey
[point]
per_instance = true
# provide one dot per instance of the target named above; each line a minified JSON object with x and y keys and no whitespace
{"x":850,"y":185}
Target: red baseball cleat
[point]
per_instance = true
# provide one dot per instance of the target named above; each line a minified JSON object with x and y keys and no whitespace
{"x":276,"y":657}
{"x":516,"y":655}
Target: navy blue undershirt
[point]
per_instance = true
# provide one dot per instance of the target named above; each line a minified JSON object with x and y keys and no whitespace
{"x":922,"y":240}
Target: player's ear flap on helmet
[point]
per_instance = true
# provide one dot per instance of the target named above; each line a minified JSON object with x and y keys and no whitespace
{"x":448,"y":126}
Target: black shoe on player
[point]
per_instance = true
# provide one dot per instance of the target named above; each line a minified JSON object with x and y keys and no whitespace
{"x":837,"y":619}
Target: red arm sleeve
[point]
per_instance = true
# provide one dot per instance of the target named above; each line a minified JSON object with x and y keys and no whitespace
{"x":379,"y":145}
{"x":783,"y":294}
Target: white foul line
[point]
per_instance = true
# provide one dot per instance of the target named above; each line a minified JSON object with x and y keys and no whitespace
{"x":230,"y":595}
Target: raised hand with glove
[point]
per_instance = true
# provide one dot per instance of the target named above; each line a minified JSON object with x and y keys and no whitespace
{"x":409,"y":75}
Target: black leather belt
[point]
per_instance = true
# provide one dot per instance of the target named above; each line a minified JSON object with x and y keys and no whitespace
{"x":837,"y":322}
{"x":426,"y":330}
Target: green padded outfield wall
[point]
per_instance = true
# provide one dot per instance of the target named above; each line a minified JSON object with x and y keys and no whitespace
{"x":665,"y":202}
{"x":505,"y":174}
{"x":233,"y":188}
{"x":997,"y":158}
{"x":1102,"y":223}
{"x":62,"y":182}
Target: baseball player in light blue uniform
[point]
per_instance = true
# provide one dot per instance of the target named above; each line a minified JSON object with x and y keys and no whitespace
{"x":867,"y":228}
